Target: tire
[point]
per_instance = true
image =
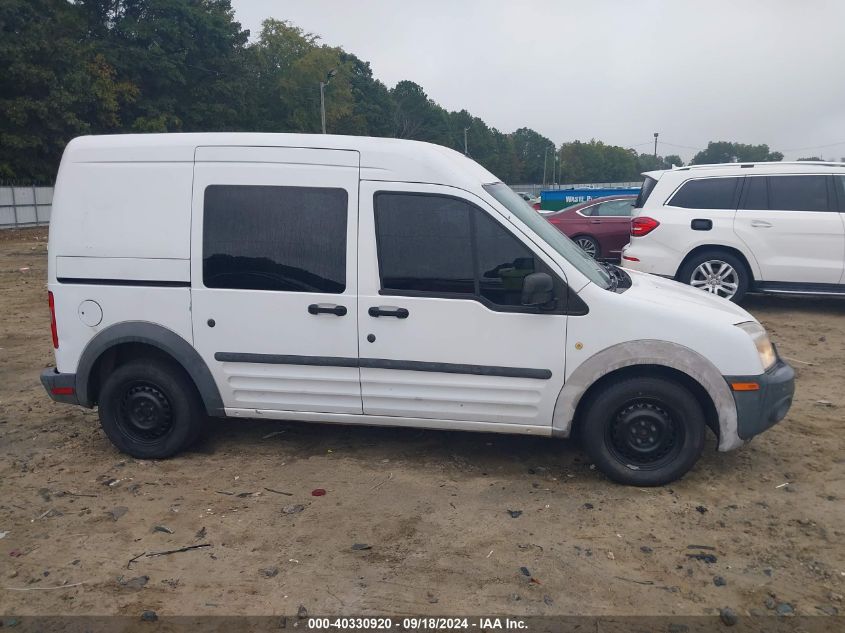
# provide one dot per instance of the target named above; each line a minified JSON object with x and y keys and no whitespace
{"x":643,"y":431}
{"x":150,"y":409}
{"x":589,"y":245}
{"x":722,"y":264}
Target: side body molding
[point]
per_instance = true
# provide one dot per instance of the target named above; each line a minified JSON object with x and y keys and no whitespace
{"x":156,"y":336}
{"x":649,"y":352}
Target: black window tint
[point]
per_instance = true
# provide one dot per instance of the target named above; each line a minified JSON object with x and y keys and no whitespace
{"x":756,"y":196}
{"x":645,"y":192}
{"x":840,"y":191}
{"x":445,"y":246}
{"x":798,"y":193}
{"x":503,"y":262}
{"x":275,"y":238}
{"x":614,"y":208}
{"x":424,"y":243}
{"x":707,"y":193}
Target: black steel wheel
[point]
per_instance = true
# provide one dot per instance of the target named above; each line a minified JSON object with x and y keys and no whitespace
{"x":150,"y":409}
{"x":643,"y":431}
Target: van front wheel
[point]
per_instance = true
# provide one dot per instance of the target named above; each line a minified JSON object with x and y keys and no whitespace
{"x":150,"y":409}
{"x":643,"y":431}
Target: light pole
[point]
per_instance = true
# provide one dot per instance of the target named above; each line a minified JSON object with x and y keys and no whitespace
{"x":557,"y":169}
{"x":466,"y":152}
{"x":545,"y":158}
{"x":323,"y":85}
{"x":655,"y":145}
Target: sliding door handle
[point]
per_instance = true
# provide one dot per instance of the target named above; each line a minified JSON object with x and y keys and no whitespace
{"x":761,"y":224}
{"x":380,"y":311}
{"x":326,"y":308}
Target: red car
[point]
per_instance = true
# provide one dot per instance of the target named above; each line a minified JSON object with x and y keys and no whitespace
{"x":601,"y":226}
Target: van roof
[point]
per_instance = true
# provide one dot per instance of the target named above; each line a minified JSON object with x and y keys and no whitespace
{"x":768,"y":167}
{"x":386,"y":159}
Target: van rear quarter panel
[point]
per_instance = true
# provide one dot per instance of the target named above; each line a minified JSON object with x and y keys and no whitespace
{"x":119,"y":217}
{"x":127,"y":209}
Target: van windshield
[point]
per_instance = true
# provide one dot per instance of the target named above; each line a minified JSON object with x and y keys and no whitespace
{"x":554,"y":238}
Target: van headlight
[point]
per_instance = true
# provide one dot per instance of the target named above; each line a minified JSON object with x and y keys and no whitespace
{"x":761,"y":341}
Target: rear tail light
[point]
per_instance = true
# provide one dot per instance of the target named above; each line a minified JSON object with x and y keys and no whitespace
{"x":643,"y":225}
{"x":53,"y":330}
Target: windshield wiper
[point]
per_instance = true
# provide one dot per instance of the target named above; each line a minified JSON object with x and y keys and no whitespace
{"x":614,"y":276}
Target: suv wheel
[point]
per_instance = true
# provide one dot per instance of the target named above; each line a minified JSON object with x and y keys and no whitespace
{"x":150,"y":409}
{"x":717,"y":272}
{"x":643,"y":431}
{"x":589,"y":245}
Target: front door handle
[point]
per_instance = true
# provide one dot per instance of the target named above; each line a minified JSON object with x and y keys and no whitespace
{"x":595,"y":221}
{"x":326,"y":308}
{"x":761,"y":224}
{"x":380,"y":311}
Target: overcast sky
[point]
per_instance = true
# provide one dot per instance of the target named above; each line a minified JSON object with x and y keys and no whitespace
{"x":753,"y":71}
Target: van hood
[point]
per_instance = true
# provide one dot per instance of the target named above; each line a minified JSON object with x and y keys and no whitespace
{"x":674,"y":295}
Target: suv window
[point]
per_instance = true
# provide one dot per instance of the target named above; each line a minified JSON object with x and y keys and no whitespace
{"x":706,"y":193}
{"x":798,"y":193}
{"x":840,"y":191}
{"x":614,"y":208}
{"x":275,"y":238}
{"x":756,"y":193}
{"x":645,"y":192}
{"x":444,"y":246}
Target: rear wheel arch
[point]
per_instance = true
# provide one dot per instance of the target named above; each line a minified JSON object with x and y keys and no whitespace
{"x":137,"y":339}
{"x":753,"y":273}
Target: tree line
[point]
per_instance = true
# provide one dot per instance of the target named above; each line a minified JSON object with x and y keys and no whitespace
{"x":113,"y":66}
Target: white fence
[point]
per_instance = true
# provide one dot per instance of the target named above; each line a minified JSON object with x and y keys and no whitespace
{"x":535,"y":189}
{"x":25,"y":206}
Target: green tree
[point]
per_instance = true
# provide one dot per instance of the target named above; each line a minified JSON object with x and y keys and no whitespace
{"x":673,"y":159}
{"x":415,"y":116}
{"x":728,"y":152}
{"x":54,"y":86}
{"x":530,"y":150}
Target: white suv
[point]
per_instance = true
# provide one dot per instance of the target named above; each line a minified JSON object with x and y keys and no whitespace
{"x":743,"y":227}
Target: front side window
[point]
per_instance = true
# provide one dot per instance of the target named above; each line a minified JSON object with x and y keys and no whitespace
{"x":798,"y":193}
{"x":275,"y":238}
{"x":706,"y":193}
{"x":445,"y":246}
{"x":547,"y":232}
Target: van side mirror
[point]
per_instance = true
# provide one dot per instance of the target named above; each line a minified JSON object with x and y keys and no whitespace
{"x":538,"y":289}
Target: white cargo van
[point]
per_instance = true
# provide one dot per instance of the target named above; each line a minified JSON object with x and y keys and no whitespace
{"x":375,"y":281}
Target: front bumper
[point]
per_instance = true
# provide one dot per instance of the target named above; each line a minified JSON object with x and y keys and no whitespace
{"x":761,"y":409}
{"x":60,"y":387}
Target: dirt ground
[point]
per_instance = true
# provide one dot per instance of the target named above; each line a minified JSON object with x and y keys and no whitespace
{"x":430,"y":507}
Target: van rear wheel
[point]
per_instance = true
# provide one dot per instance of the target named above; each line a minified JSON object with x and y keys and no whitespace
{"x":643,"y":431}
{"x":150,"y":409}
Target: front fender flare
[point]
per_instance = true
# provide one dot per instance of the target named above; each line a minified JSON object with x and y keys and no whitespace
{"x":649,"y":352}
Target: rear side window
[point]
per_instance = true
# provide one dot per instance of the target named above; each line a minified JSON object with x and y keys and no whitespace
{"x":441,"y":246}
{"x":798,"y":193}
{"x":275,"y":238}
{"x":614,"y":208}
{"x":707,"y":193}
{"x":645,"y":192}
